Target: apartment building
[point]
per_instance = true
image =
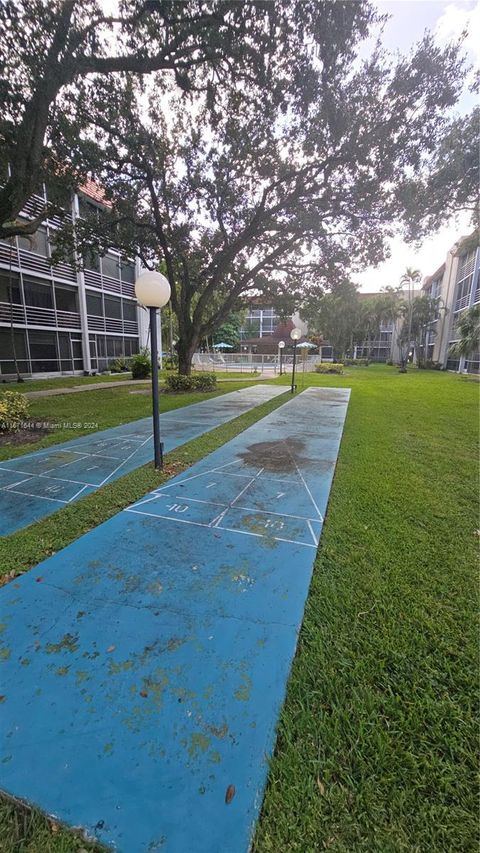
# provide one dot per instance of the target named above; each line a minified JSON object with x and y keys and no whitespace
{"x":263,"y":328}
{"x":456,"y":284}
{"x":62,"y":320}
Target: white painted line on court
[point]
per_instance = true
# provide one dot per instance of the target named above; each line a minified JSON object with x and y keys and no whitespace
{"x":49,"y":477}
{"x":228,"y":529}
{"x":123,"y":463}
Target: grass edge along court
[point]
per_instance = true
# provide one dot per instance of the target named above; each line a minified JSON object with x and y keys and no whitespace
{"x":377,"y":740}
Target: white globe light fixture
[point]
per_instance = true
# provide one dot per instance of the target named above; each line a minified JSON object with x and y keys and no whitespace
{"x":152,"y":290}
{"x":295,"y":335}
{"x":281,"y":347}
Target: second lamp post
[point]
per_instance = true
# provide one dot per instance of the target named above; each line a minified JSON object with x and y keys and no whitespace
{"x":153,"y":291}
{"x":295,"y":335}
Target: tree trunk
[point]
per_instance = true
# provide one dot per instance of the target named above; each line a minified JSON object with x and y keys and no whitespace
{"x":186,"y":350}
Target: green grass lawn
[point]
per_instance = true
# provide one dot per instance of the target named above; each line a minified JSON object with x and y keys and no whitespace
{"x":73,"y":415}
{"x":76,"y":381}
{"x":377,"y":740}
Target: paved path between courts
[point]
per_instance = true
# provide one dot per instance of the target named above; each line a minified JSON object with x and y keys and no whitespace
{"x":101,"y":386}
{"x":144,"y":666}
{"x":37,"y":484}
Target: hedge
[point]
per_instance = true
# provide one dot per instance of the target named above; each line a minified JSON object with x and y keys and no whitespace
{"x":198,"y":382}
{"x":13,"y":410}
{"x":329,"y":367}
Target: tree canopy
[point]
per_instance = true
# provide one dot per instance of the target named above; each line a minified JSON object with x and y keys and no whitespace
{"x":285,"y":185}
{"x":54,"y":56}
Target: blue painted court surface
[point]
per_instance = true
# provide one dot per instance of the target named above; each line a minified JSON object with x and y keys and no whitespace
{"x":37,"y":484}
{"x":144,"y":666}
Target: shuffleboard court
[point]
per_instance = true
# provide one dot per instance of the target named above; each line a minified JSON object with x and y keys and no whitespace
{"x":145,"y":665}
{"x":37,"y":484}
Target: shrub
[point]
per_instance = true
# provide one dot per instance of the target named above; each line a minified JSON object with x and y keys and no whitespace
{"x":205,"y":382}
{"x":430,"y":365}
{"x":389,"y":362}
{"x":174,"y":382}
{"x":13,"y":410}
{"x":141,"y":365}
{"x":119,"y":365}
{"x":170,"y":362}
{"x":356,"y":362}
{"x":200,"y":382}
{"x":329,"y":367}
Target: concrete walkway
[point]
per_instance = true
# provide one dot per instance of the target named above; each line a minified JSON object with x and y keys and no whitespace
{"x":102,"y":386}
{"x":144,"y":667}
{"x":36,"y":484}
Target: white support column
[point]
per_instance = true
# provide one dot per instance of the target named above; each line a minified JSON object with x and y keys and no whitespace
{"x":82,"y":298}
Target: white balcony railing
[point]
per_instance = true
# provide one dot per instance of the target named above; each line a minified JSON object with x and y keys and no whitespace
{"x":28,"y":315}
{"x":112,"y":325}
{"x":462,"y":302}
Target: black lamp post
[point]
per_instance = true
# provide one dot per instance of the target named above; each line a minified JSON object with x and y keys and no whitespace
{"x":153,"y":290}
{"x":295,"y":335}
{"x":281,"y":347}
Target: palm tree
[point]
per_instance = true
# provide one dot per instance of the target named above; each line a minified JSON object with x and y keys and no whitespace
{"x":410,"y":277}
{"x":468,"y":327}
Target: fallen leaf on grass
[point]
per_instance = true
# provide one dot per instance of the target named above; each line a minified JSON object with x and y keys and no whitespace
{"x":321,"y":786}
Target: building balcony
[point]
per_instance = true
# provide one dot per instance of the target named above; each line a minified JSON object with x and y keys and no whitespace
{"x":112,"y":325}
{"x":462,"y":303}
{"x":28,"y":315}
{"x":105,"y":282}
{"x":33,"y":263}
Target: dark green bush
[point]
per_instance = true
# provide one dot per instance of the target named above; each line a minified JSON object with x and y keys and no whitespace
{"x":356,"y":362}
{"x":13,"y":410}
{"x":205,"y":382}
{"x":141,"y":365}
{"x":119,"y":365}
{"x":430,"y":365}
{"x":198,"y":382}
{"x":329,"y":367}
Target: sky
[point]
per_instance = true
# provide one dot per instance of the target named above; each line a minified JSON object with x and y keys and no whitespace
{"x":409,"y":19}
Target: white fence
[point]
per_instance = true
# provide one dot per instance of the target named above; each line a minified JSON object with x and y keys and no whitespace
{"x":251,"y":363}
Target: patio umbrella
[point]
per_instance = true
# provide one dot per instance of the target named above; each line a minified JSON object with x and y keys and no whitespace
{"x":222,"y":346}
{"x":306,"y":345}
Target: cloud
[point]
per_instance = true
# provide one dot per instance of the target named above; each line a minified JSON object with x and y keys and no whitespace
{"x":457,"y":18}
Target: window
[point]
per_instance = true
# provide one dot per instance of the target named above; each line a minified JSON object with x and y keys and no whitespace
{"x":37,"y":243}
{"x":113,"y":307}
{"x":43,"y":351}
{"x":94,"y":305}
{"x":7,"y":363}
{"x":37,"y":293}
{"x":128,"y":272}
{"x":65,"y":351}
{"x":111,"y":266}
{"x":91,"y":261}
{"x":131,"y":346}
{"x":10,"y":285}
{"x":66,"y":298}
{"x":129,"y":311}
{"x":463,"y":292}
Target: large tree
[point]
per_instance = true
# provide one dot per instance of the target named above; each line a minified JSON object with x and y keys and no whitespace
{"x":285,"y":185}
{"x":53,"y":53}
{"x":336,"y":317}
